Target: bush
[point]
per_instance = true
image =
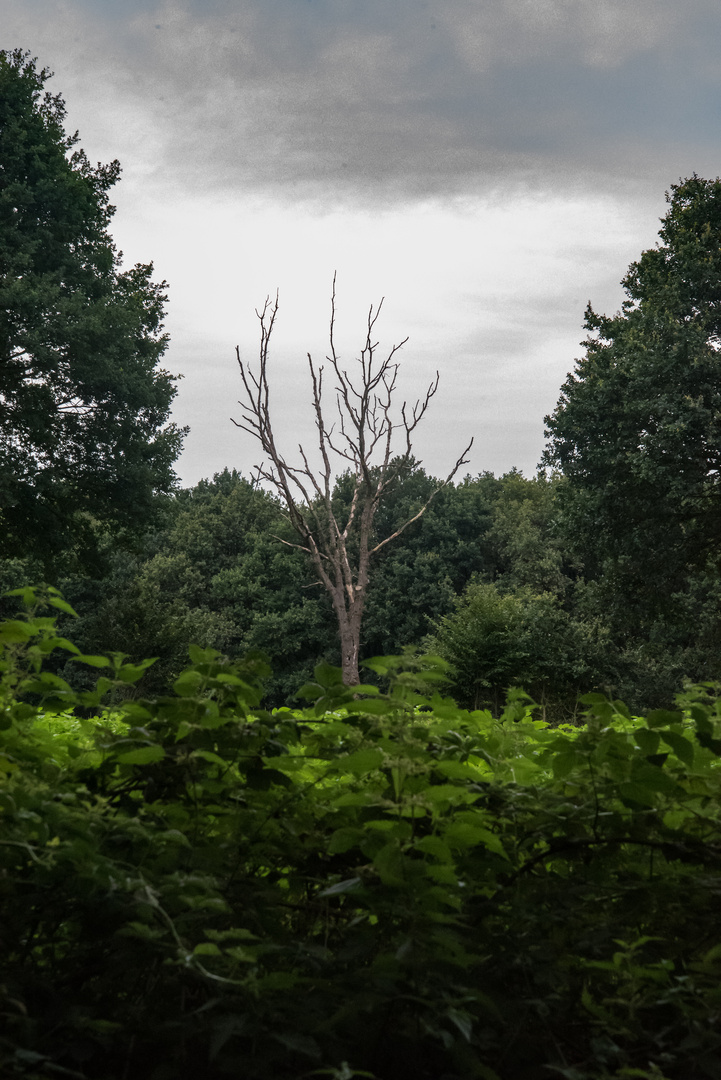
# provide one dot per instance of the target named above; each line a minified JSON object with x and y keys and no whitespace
{"x":495,"y":639}
{"x":379,"y":885}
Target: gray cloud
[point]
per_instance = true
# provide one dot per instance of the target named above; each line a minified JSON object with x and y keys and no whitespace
{"x":579,"y":110}
{"x":398,"y":100}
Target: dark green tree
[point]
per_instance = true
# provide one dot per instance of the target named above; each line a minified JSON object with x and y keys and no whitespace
{"x":417,"y":578}
{"x":216,"y":576}
{"x":84,"y":438}
{"x":495,"y":640}
{"x":637,"y":430}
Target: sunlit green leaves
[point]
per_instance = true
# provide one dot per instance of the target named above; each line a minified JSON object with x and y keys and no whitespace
{"x":490,"y":884}
{"x":362,"y":761}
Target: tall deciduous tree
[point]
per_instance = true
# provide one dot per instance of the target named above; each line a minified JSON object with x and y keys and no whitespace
{"x":84,"y":438}
{"x":339,"y":536}
{"x":637,"y":430}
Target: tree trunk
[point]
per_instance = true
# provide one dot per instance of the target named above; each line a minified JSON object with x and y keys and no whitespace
{"x":349,"y":626}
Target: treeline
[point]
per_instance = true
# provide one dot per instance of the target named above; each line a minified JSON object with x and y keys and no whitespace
{"x":492,"y":578}
{"x":603,"y":573}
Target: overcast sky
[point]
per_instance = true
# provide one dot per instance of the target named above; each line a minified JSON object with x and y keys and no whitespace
{"x":489,"y":166}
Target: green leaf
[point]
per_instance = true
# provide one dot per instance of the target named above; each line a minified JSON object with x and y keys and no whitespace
{"x":362,"y":761}
{"x":647,"y":740}
{"x":457,"y":770}
{"x":562,"y":764}
{"x":637,"y":793}
{"x":207,"y":948}
{"x":433,"y":845}
{"x":654,"y":778}
{"x":45,"y":682}
{"x":709,"y":743}
{"x":235,"y":933}
{"x":62,"y":605}
{"x":663,"y":717}
{"x":27,"y":592}
{"x":310,"y":692}
{"x":355,"y":798}
{"x":328,"y":676}
{"x":188,"y":684}
{"x":228,"y":679}
{"x":344,"y":839}
{"x":209,"y":755}
{"x":142,"y":931}
{"x":374,"y":706}
{"x":13,"y":630}
{"x":657,"y":759}
{"x":442,"y":873}
{"x":48,"y":645}
{"x":175,"y":836}
{"x":389,"y":864}
{"x":381,"y":665}
{"x":463,"y":835}
{"x":399,"y":830}
{"x":241,"y":954}
{"x":203,"y":656}
{"x":450,"y":793}
{"x":278,"y":980}
{"x":93,"y":661}
{"x":130,"y":673}
{"x":135,"y":711}
{"x":145,"y":755}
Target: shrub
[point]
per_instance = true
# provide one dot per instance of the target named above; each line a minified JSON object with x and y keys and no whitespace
{"x":381,"y":884}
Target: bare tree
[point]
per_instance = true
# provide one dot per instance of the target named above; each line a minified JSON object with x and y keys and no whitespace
{"x":341,"y":547}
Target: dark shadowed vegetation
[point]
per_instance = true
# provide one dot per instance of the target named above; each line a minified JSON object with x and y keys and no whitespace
{"x":381,"y":884}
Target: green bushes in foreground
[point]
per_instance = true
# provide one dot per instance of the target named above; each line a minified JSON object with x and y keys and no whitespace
{"x":380,"y":885}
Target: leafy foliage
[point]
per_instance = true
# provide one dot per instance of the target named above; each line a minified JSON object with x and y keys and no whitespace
{"x":495,"y":640}
{"x":636,"y":430}
{"x":84,"y":438}
{"x":217,"y":575}
{"x":379,"y":885}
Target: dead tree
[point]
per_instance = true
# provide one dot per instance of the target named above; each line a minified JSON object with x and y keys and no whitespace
{"x":361,"y":439}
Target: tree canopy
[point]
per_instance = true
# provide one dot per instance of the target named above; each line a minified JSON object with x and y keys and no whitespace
{"x":84,"y":437}
{"x":637,"y":430}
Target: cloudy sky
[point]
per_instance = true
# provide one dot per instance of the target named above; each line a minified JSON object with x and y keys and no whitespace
{"x":488,"y":166}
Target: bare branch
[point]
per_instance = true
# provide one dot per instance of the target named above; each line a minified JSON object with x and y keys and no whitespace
{"x":462,"y":460}
{"x":299,"y":547}
{"x":287,"y":543}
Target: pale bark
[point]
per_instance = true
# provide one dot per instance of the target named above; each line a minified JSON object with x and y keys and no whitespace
{"x":363,"y":443}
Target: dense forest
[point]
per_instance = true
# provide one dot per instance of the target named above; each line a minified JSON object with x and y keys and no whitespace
{"x":495,"y":857}
{"x":488,"y":579}
{"x":496,"y":578}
